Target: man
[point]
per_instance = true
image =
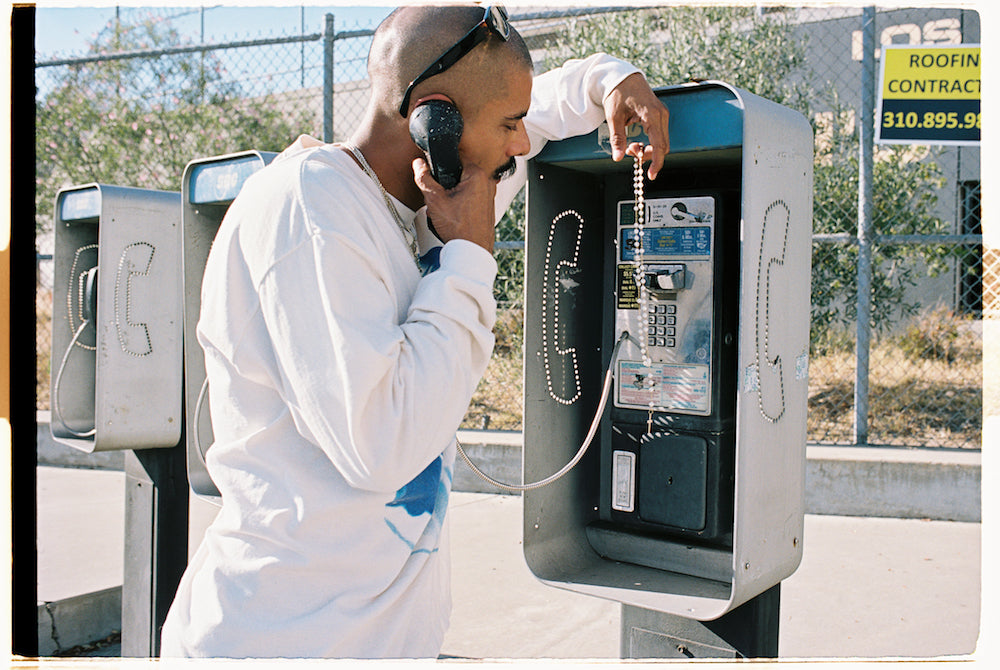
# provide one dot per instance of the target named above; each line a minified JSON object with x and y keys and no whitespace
{"x":342,"y":352}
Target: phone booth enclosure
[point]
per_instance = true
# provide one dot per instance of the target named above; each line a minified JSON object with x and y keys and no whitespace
{"x":690,"y":500}
{"x":209,"y":185}
{"x":120,"y":385}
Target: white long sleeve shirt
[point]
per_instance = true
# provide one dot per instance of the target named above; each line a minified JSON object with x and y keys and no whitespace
{"x":338,"y":377}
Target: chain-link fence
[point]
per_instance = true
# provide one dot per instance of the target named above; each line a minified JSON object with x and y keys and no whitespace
{"x":139,"y":113}
{"x":991,"y":323}
{"x":914,"y":378}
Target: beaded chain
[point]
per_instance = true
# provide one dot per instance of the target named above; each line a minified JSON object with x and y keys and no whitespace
{"x":551,"y":302}
{"x":765,"y":277}
{"x":135,"y":255}
{"x":409,"y":234}
{"x":639,"y":210}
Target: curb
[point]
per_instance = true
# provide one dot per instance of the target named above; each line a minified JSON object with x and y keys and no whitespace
{"x":78,"y":620}
{"x":900,"y":483}
{"x":894,"y":482}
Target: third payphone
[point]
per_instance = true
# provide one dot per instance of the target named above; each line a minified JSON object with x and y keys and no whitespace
{"x":693,"y":292}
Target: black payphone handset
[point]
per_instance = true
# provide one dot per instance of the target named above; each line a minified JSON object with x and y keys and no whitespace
{"x":436,"y":127}
{"x":88,"y":297}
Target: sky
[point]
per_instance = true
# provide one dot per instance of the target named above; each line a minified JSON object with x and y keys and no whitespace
{"x":64,"y":29}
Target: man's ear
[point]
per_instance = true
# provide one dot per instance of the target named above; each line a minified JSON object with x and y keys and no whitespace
{"x":433,"y":96}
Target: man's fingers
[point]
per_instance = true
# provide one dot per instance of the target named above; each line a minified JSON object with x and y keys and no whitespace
{"x":654,"y":155}
{"x":657,"y":129}
{"x":633,"y":101}
{"x":422,"y":175}
{"x":619,"y":138}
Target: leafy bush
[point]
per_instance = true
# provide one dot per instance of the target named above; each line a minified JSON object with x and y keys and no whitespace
{"x":833,"y":340}
{"x":679,"y":44}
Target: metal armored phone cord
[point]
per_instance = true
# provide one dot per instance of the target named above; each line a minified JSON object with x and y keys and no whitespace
{"x":202,"y":394}
{"x":86,"y":319}
{"x":609,"y":375}
{"x":639,"y":208}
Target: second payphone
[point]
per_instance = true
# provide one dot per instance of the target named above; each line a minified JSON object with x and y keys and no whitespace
{"x":208,"y":186}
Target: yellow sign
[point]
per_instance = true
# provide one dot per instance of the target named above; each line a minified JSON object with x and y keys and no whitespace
{"x":930,"y":95}
{"x":931,"y":73}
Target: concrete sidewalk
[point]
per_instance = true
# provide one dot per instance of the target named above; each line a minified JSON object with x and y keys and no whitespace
{"x":867,"y":587}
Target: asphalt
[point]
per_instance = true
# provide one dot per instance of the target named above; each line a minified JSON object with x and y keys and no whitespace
{"x":867,"y":588}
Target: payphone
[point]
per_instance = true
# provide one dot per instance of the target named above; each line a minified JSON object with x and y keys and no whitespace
{"x":693,"y":290}
{"x":116,"y":318}
{"x":208,"y":187}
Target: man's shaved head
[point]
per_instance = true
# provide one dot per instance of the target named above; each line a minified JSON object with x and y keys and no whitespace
{"x":413,"y":37}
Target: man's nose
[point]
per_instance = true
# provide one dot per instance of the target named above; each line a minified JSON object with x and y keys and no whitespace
{"x":521,"y":145}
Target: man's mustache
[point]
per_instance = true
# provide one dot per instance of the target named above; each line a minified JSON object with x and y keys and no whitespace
{"x":505,"y":170}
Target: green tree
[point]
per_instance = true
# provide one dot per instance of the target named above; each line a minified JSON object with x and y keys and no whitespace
{"x":139,"y":121}
{"x":674,"y":45}
{"x":905,"y":182}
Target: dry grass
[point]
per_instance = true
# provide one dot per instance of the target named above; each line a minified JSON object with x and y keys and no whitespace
{"x":498,"y":401}
{"x":916,"y":399}
{"x":913,"y":401}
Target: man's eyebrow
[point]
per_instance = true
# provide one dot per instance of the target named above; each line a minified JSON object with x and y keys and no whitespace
{"x":518,"y":116}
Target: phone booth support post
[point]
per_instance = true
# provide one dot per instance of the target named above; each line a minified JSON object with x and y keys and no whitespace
{"x":688,"y":507}
{"x":116,"y":376}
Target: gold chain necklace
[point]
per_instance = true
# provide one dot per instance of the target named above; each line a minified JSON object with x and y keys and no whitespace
{"x":409,"y":235}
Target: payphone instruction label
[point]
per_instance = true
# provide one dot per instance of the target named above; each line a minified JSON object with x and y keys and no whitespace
{"x":676,"y":241}
{"x":663,"y":386}
{"x":627,"y":290}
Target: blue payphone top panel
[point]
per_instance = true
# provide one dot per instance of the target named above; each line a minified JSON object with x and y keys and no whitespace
{"x":80,"y":205}
{"x":219,"y":182}
{"x":703,"y":117}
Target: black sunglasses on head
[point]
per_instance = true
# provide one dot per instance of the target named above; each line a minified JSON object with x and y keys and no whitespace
{"x":494,"y":21}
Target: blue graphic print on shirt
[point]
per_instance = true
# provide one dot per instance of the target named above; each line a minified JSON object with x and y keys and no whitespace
{"x":418,"y":496}
{"x":430,"y":261}
{"x":426,"y":494}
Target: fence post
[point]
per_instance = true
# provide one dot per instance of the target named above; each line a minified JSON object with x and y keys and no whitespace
{"x":866,"y":129}
{"x":328,"y":42}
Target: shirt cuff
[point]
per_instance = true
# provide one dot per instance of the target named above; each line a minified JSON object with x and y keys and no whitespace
{"x":470,"y":260}
{"x":608,"y":75}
